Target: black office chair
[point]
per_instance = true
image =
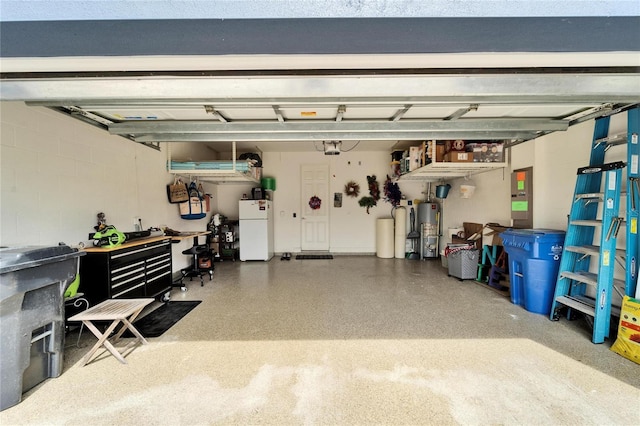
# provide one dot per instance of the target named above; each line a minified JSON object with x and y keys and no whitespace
{"x":202,"y":265}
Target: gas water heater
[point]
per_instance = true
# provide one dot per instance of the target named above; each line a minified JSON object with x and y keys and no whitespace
{"x":429,"y":226}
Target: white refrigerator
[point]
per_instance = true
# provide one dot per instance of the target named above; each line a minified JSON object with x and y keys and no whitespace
{"x":256,"y":229}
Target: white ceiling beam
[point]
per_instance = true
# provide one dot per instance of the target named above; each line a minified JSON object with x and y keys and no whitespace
{"x":276,"y":110}
{"x":417,"y":126}
{"x":400,"y":113}
{"x":245,"y":105}
{"x":211,"y":110}
{"x":319,"y":61}
{"x":320,"y":136}
{"x":462,"y":111}
{"x":404,"y":89}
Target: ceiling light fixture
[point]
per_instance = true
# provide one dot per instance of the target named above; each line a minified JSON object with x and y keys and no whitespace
{"x":332,"y":147}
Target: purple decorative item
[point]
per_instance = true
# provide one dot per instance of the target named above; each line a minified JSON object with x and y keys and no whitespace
{"x":314,"y":203}
{"x":392,"y":192}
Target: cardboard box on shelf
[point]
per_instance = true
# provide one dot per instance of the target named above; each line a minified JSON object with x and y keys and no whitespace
{"x":434,"y":151}
{"x":492,"y":233}
{"x":458,"y":157}
{"x":439,"y":152}
{"x":415,"y":157}
{"x":487,"y":152}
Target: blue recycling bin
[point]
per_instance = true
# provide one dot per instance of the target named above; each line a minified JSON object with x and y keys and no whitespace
{"x":534,"y":260}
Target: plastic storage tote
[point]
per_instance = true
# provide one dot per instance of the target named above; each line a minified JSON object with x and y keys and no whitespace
{"x":32,"y":285}
{"x":534,"y":259}
{"x":463,"y":262}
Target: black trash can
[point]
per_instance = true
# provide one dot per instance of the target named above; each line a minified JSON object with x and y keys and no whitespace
{"x":32,"y":285}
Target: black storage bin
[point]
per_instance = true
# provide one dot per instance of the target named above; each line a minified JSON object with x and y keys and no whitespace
{"x":32,"y":285}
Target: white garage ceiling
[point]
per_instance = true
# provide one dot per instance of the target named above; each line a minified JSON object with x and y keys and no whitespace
{"x":297,"y":113}
{"x":288,"y":85}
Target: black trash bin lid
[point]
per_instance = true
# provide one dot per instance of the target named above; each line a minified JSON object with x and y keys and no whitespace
{"x":16,"y":258}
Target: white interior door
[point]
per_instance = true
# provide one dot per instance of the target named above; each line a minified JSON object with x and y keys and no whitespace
{"x":315,"y":222}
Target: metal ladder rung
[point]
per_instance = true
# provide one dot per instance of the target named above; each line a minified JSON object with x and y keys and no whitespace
{"x":618,"y":139}
{"x":595,"y":196}
{"x":593,"y":250}
{"x":590,"y":196}
{"x":585,"y":222}
{"x":588,"y":278}
{"x":579,"y":305}
{"x":588,"y":249}
{"x":582,"y":276}
{"x":584,"y":304}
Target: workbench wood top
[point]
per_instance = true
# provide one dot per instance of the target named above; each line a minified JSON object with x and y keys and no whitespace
{"x":134,"y":243}
{"x":187,"y":235}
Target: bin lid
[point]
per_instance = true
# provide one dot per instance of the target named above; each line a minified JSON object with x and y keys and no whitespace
{"x":535,"y":234}
{"x":16,"y":258}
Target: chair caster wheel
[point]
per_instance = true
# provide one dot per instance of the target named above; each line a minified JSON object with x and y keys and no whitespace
{"x":183,"y":288}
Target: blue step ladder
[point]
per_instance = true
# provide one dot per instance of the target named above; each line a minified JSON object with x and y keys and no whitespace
{"x":574,"y":272}
{"x":633,"y":201}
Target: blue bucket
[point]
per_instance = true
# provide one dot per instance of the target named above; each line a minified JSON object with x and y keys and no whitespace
{"x":442,"y":191}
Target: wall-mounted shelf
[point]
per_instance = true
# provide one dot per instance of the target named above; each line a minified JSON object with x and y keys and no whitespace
{"x":216,"y":176}
{"x":231,"y":171}
{"x":441,"y":170}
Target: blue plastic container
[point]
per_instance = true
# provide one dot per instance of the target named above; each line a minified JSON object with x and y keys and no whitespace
{"x":534,"y":259}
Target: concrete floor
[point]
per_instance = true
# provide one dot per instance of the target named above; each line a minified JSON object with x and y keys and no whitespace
{"x":353,"y":340}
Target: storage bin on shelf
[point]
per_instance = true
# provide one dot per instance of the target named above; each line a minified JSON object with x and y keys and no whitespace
{"x":462,"y":261}
{"x":534,"y":260}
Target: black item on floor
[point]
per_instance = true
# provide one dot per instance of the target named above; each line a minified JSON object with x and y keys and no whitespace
{"x":157,"y":322}
{"x":313,"y":256}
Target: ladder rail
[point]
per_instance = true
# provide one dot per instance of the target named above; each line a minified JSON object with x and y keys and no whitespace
{"x":606,"y":262}
{"x":633,"y":190}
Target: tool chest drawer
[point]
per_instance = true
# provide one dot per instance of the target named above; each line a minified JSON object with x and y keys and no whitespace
{"x":140,"y":270}
{"x":158,"y":272}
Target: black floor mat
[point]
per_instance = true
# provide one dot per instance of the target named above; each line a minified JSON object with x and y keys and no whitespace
{"x":163,"y":318}
{"x":313,"y":256}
